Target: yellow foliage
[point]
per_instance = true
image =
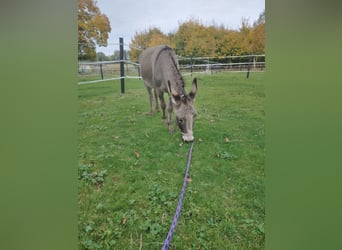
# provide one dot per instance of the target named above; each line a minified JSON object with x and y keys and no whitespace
{"x":193,"y":39}
{"x":93,"y":28}
{"x":146,"y":39}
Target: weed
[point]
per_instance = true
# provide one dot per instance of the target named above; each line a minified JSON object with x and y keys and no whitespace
{"x":94,"y":177}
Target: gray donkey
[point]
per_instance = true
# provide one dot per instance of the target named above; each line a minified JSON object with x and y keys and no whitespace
{"x":160,"y":72}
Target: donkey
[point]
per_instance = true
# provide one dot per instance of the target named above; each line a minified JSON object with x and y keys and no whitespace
{"x":160,"y":72}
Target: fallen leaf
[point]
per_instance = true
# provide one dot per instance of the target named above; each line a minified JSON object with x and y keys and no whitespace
{"x":200,"y":139}
{"x":181,"y":144}
{"x":124,"y":221}
{"x":115,"y":179}
{"x":226,"y":139}
{"x":136,"y":153}
{"x":188,"y":180}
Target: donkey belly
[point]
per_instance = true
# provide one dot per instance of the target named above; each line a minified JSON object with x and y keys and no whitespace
{"x":146,"y":74}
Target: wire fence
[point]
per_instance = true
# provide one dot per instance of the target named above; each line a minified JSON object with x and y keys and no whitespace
{"x":92,"y":72}
{"x":211,"y":65}
{"x":99,"y":71}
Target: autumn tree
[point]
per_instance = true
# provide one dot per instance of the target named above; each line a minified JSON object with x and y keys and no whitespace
{"x":259,"y":34}
{"x":245,"y":37}
{"x":93,"y":28}
{"x":248,"y":39}
{"x":148,"y":38}
{"x":229,"y":44}
{"x":193,"y":39}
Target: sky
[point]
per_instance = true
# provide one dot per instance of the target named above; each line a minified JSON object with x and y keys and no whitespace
{"x":130,"y":16}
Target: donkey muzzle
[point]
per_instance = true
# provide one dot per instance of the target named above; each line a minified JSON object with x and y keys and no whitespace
{"x":188,"y":137}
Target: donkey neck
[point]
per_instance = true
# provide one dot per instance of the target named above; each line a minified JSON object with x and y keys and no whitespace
{"x":171,"y":73}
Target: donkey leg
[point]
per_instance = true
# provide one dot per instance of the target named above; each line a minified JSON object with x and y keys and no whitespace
{"x":156,"y":97}
{"x":149,"y":91}
{"x":163,"y":105}
{"x":169,"y":110}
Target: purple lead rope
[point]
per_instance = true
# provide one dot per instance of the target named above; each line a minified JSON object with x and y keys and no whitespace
{"x":179,"y":206}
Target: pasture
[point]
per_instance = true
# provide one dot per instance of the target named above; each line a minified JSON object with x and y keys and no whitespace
{"x":131,"y":169}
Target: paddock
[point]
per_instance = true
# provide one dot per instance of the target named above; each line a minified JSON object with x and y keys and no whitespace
{"x":131,"y":169}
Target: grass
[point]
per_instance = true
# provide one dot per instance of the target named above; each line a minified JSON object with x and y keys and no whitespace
{"x":131,"y":169}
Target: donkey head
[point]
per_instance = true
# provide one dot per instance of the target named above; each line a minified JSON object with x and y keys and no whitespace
{"x":184,"y":110}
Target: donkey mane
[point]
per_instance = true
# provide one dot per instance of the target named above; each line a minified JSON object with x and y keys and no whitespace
{"x":174,"y":66}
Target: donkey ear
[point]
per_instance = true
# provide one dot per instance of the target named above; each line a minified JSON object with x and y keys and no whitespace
{"x":192,"y":94}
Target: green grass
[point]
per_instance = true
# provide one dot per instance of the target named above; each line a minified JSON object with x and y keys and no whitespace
{"x":131,"y":169}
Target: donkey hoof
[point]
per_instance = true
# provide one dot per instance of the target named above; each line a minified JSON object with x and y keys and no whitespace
{"x":171,"y":129}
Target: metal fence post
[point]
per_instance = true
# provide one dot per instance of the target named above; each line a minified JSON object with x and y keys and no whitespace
{"x":122,"y":69}
{"x":101,"y":71}
{"x":249,"y":66}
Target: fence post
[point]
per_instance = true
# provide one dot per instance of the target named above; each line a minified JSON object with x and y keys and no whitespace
{"x":249,"y":66}
{"x":101,"y":71}
{"x":122,"y":69}
{"x":139,"y":74}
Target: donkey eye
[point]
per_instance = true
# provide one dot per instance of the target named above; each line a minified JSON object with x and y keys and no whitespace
{"x":181,"y":120}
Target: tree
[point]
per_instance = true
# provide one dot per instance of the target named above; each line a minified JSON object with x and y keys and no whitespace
{"x":230,"y":43}
{"x":116,"y":55}
{"x":146,"y":39}
{"x":100,"y":56}
{"x":259,"y":34}
{"x":93,"y":28}
{"x":193,"y":39}
{"x":261,"y":19}
{"x":246,"y":36}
